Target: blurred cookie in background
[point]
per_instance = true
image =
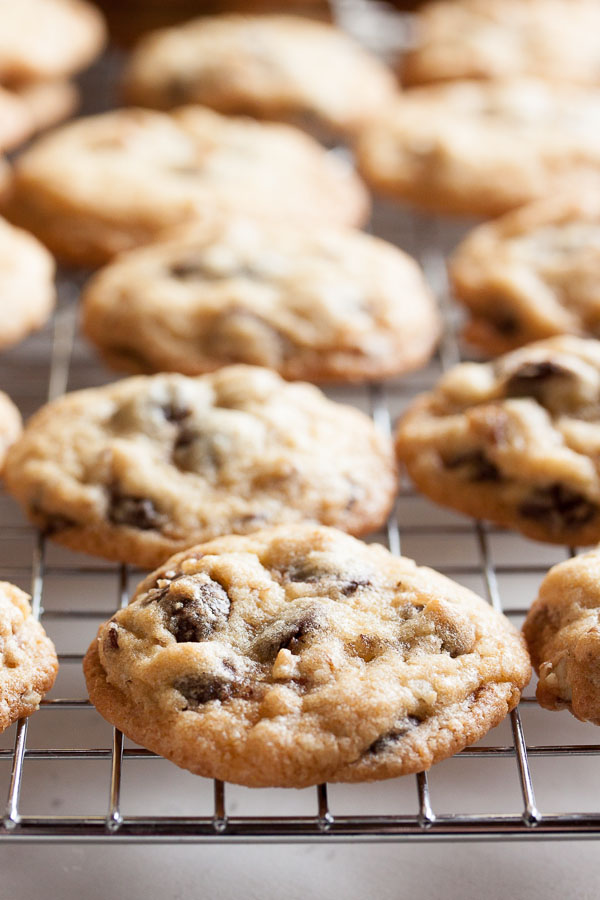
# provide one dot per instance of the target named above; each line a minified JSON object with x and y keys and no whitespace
{"x":329,"y":304}
{"x":43,"y":40}
{"x":532,"y":274}
{"x":482,"y":148}
{"x":111,"y":182}
{"x":27,"y":292}
{"x":554,"y":39}
{"x":282,"y":68}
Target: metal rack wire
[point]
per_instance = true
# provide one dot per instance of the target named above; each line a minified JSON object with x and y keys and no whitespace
{"x":473,"y":556}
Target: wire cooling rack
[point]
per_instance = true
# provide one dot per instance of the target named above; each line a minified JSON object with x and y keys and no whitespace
{"x":67,"y":776}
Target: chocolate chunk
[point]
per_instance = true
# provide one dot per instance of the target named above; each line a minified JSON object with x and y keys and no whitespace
{"x":138,"y":512}
{"x":193,"y":609}
{"x":504,"y":323}
{"x":194,"y":269}
{"x":475,"y":466}
{"x":351,"y":587}
{"x":195,"y":451}
{"x":112,"y":636}
{"x":287,"y":633}
{"x":53,"y":523}
{"x":175,"y":413}
{"x":531,"y":379}
{"x":558,"y":507}
{"x":204,"y":687}
{"x":386,"y":741}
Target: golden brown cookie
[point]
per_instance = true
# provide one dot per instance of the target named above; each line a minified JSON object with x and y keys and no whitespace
{"x":27,"y":292}
{"x":28,"y":663}
{"x":563,"y":637}
{"x":495,"y":39}
{"x":111,"y":182}
{"x":482,"y":148}
{"x":515,"y":441}
{"x":43,"y":40}
{"x":326,"y":304}
{"x":280,"y":68}
{"x":141,"y":468}
{"x":531,"y":274}
{"x":298,"y":655}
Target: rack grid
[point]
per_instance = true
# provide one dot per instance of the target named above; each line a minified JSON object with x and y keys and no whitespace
{"x":478,"y":555}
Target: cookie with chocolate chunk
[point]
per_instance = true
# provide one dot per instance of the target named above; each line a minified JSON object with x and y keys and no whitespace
{"x":280,"y":67}
{"x":326,"y":304}
{"x":531,"y":274}
{"x":28,"y":663}
{"x":142,"y":468}
{"x":563,"y":637}
{"x":515,"y":441}
{"x":298,"y":655}
{"x":482,"y":148}
{"x":27,"y":292}
{"x":108,"y":183}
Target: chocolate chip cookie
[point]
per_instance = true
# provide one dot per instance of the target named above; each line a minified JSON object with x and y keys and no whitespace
{"x":494,"y":39}
{"x":284,"y":68}
{"x":28,"y":663}
{"x":27,"y":293}
{"x":142,"y":468}
{"x":515,"y":441}
{"x":47,"y":39}
{"x":329,"y":304}
{"x":111,"y":182}
{"x":531,"y":274}
{"x":563,"y":637}
{"x":483,"y":148}
{"x":298,"y":655}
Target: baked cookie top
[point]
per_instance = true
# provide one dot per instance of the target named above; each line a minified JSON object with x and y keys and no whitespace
{"x":144,"y":467}
{"x":298,"y":655}
{"x":27,"y":293}
{"x":28,"y":663}
{"x":553,"y":39}
{"x":46,"y":39}
{"x":284,"y":68}
{"x":515,"y":441}
{"x":107,"y":183}
{"x":533,"y":273}
{"x":325,"y":304}
{"x":483,"y":147}
{"x":563,"y":637}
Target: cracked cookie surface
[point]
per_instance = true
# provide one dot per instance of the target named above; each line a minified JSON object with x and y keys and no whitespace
{"x":139,"y":469}
{"x":482,"y":148}
{"x":563,"y":635}
{"x":111,"y":182}
{"x":493,"y":39}
{"x":28,"y":663}
{"x":514,"y":441}
{"x":531,"y":274}
{"x":298,"y":655}
{"x":283,"y":68}
{"x":332,"y":304}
